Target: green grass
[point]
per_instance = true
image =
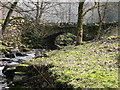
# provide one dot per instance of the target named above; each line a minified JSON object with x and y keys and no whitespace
{"x":92,"y":65}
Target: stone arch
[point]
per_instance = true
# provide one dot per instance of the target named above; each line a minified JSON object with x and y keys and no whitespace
{"x":49,"y":41}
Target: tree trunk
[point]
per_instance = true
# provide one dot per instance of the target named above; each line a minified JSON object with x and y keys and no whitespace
{"x":37,"y":13}
{"x":99,"y":30}
{"x":69,"y":13}
{"x":79,"y":24}
{"x":101,"y":18}
{"x":41,"y":10}
{"x":8,"y":16}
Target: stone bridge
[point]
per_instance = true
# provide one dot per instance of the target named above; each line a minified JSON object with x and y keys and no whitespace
{"x":90,"y":31}
{"x":66,"y":28}
{"x":52,"y":33}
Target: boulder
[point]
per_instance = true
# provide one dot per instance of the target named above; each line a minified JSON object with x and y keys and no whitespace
{"x":21,"y":68}
{"x":19,"y":79}
{"x":9,"y":71}
{"x":10,"y":55}
{"x":20,"y":54}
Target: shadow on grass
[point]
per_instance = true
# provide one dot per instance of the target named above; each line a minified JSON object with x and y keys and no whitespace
{"x":40,"y":78}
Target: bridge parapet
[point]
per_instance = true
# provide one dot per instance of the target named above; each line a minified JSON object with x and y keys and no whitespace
{"x":71,"y":27}
{"x":90,"y":32}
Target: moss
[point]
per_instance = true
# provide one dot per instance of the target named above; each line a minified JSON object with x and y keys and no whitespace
{"x":20,"y":73}
{"x":65,"y":39}
{"x":3,"y":47}
{"x":112,"y":37}
{"x":26,"y":49}
{"x":23,"y":65}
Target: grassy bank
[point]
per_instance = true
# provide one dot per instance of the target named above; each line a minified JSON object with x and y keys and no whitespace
{"x":91,"y":65}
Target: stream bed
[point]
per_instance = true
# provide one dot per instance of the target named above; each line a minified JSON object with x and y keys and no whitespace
{"x":13,"y":61}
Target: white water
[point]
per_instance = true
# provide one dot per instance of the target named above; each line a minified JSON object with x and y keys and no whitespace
{"x":15,"y":61}
{"x":2,"y":79}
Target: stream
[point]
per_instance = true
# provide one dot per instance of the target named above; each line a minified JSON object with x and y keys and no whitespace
{"x":13,"y":61}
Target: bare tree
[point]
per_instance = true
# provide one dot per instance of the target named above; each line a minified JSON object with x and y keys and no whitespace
{"x":69,"y":13}
{"x":101,"y":16}
{"x":81,"y":14}
{"x":8,"y":16}
{"x":79,"y":23}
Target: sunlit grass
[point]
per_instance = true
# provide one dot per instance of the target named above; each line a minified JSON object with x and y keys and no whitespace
{"x":92,"y":65}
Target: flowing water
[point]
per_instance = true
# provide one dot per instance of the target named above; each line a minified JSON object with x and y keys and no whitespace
{"x":13,"y":61}
{"x":3,"y":82}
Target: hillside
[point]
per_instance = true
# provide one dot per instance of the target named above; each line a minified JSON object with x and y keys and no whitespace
{"x":91,"y":65}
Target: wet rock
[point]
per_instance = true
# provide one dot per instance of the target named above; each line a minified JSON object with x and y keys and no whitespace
{"x":20,"y":54}
{"x":39,"y":54}
{"x":2,"y":55}
{"x":9,"y":71}
{"x":11,"y":55}
{"x":42,"y":55}
{"x":17,"y":79}
{"x":13,"y":63}
{"x":26,"y":49}
{"x":1,"y":64}
{"x":20,"y":60}
{"x":22,"y":68}
{"x":4,"y":59}
{"x":20,"y":73}
{"x":8,"y":53}
{"x":14,"y":50}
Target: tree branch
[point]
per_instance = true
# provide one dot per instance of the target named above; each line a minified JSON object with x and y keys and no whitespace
{"x":95,"y":6}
